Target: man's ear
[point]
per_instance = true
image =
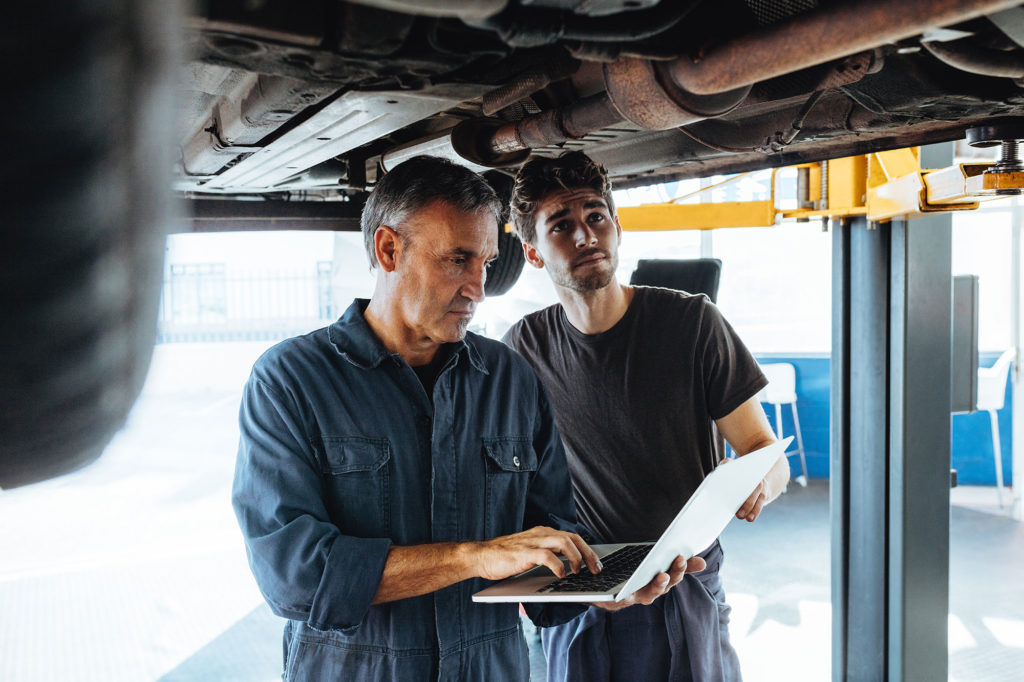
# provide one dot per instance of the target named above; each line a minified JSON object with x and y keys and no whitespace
{"x":388,"y":247}
{"x":618,"y":228}
{"x":532,"y":255}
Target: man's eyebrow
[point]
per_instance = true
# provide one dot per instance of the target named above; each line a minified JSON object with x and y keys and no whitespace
{"x":467,"y":253}
{"x":558,"y":215}
{"x":593,"y":203}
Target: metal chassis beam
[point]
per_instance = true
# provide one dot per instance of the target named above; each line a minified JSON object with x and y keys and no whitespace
{"x":891,"y":446}
{"x":229,"y":215}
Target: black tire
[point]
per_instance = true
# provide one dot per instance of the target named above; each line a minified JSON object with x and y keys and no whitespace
{"x":85,"y":222}
{"x":504,"y":272}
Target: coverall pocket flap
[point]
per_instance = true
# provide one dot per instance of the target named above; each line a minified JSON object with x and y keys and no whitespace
{"x":513,"y":455}
{"x":344,"y":455}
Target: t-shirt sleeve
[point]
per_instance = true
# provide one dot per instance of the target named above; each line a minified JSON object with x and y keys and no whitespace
{"x":731,"y":374}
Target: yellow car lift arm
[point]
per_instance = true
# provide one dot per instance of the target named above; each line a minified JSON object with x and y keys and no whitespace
{"x":881,"y":186}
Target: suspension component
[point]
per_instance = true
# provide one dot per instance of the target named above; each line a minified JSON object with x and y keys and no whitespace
{"x":1006,"y":177}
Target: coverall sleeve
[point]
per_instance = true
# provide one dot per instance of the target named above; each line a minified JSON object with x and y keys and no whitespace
{"x":306,"y":569}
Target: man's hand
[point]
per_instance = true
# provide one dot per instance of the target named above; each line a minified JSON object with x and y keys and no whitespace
{"x":659,"y":585}
{"x":421,"y":569}
{"x":539,"y":546}
{"x":746,"y":429}
{"x":753,"y":505}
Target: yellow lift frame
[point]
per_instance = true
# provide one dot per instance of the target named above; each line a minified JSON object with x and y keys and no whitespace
{"x":881,"y":186}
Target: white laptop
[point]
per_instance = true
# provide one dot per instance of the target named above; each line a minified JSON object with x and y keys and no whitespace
{"x":630,"y":566}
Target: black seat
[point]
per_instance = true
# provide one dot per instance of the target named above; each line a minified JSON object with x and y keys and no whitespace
{"x":692,"y":275}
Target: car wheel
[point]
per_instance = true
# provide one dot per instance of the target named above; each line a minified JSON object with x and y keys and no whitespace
{"x":86,"y":178}
{"x":504,"y":272}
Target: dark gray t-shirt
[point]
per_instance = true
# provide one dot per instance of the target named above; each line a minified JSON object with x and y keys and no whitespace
{"x":635,"y":404}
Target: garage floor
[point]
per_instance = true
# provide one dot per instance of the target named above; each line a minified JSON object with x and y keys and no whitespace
{"x":132,"y":570}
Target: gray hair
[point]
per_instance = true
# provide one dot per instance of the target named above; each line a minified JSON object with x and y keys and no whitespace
{"x":413,"y":184}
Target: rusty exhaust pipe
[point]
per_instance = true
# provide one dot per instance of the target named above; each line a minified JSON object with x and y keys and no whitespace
{"x":492,"y":142}
{"x":633,"y":93}
{"x":662,"y":95}
{"x":818,"y":37}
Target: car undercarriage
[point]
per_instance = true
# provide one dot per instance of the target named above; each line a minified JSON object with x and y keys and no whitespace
{"x":262,"y":114}
{"x":324,"y":96}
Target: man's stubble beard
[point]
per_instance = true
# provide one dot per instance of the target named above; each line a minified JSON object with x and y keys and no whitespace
{"x":592,"y":282}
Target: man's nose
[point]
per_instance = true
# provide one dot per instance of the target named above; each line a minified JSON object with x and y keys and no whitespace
{"x":473,"y":288}
{"x":585,"y":235}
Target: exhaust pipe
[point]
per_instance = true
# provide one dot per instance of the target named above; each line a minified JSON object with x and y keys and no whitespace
{"x":818,"y":37}
{"x":659,"y":95}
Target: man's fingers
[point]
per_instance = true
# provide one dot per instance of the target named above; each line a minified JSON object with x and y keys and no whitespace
{"x":659,"y":585}
{"x":572,"y":552}
{"x":752,"y":508}
{"x":544,"y":546}
{"x":574,"y":548}
{"x":544,"y":557}
{"x":560,"y":542}
{"x":676,"y":572}
{"x":754,"y":501}
{"x":756,"y":510}
{"x":589,"y":555}
{"x":654,"y":589}
{"x":744,"y":509}
{"x":568,"y":545}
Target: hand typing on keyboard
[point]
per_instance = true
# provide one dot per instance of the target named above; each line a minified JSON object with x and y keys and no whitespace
{"x":614,"y":569}
{"x":659,"y":585}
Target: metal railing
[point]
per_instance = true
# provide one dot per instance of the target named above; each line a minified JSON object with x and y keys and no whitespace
{"x":207,"y":302}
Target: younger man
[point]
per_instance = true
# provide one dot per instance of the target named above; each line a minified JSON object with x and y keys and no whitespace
{"x":637,"y":377}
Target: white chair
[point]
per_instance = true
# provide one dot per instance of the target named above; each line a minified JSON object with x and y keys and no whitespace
{"x":781,"y":390}
{"x":992,"y":397}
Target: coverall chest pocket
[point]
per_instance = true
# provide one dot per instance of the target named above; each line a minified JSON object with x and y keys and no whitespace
{"x":357,"y":484}
{"x":510,"y":464}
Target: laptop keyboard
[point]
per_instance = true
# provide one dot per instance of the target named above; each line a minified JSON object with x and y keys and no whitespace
{"x":618,"y":566}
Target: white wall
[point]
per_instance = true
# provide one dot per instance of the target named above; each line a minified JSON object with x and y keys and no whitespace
{"x":775,"y":288}
{"x":982,"y":246}
{"x":249,"y":251}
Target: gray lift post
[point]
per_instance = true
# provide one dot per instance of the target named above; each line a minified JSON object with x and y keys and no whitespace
{"x":1016,"y":375}
{"x":890,"y":456}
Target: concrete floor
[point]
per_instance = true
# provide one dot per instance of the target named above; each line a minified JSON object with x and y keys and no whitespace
{"x":132,"y":570}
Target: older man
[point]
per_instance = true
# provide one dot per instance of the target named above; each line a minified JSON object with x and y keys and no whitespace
{"x":389,"y":463}
{"x":637,"y":376}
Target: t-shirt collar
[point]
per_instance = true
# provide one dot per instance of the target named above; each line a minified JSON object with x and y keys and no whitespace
{"x":616,"y":328}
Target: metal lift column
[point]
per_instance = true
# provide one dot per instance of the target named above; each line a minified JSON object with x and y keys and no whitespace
{"x":890,"y":466}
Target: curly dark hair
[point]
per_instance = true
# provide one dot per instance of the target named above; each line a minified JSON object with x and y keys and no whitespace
{"x":540,"y":176}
